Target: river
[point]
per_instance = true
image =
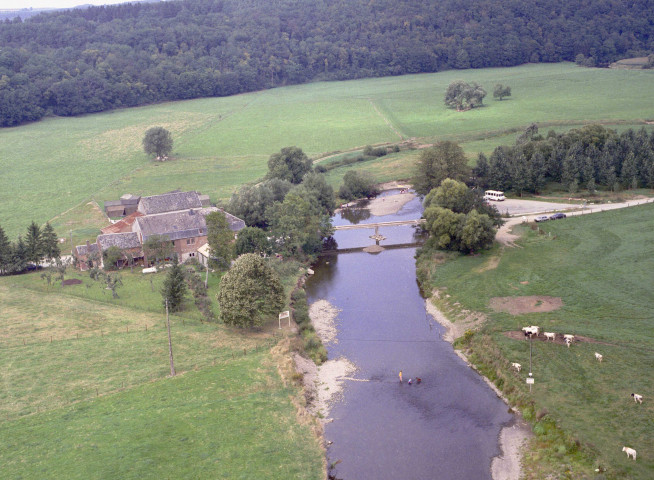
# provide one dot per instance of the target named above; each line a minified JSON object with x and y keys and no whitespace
{"x":446,"y":427}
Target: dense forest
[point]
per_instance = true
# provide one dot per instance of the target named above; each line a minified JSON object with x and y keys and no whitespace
{"x":89,"y":60}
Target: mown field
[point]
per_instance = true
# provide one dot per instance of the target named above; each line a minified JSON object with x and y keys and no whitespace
{"x":601,"y":266}
{"x":59,"y":164}
{"x":86,"y":391}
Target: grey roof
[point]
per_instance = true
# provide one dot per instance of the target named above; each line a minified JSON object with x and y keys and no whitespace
{"x":176,"y":225}
{"x":85,"y":250}
{"x":112,"y":203}
{"x":129,"y":199}
{"x":120,"y":240}
{"x":235,"y":223}
{"x":169,"y":202}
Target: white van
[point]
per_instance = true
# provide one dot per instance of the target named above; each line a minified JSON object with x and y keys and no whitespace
{"x":494,"y":195}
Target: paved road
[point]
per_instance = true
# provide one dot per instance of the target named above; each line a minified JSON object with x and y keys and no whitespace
{"x":528,"y":210}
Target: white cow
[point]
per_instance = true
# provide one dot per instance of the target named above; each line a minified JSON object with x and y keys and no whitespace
{"x":599,"y":357}
{"x":630,"y":452}
{"x":517,"y":366}
{"x":549,"y":335}
{"x":568,"y":339}
{"x":637,"y":398}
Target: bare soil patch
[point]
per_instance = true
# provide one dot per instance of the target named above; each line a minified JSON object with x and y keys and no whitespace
{"x":528,"y":304}
{"x":72,"y":281}
{"x":489,"y":264}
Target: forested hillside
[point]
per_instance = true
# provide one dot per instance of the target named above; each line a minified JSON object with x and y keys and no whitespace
{"x":89,"y":60}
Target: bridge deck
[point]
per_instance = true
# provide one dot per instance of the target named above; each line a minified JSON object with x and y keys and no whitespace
{"x":381,"y":224}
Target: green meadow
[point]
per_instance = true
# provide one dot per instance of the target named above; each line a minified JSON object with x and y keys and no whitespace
{"x":600,"y":265}
{"x":86,"y":391}
{"x":59,"y":164}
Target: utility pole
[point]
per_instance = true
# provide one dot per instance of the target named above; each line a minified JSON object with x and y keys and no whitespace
{"x":170,"y":343}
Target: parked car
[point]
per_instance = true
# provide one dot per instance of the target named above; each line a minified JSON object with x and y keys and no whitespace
{"x":542,"y":218}
{"x":557,"y":215}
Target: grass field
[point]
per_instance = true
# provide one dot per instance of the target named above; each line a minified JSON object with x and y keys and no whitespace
{"x":85,"y":384}
{"x":59,"y":164}
{"x":602,"y":271}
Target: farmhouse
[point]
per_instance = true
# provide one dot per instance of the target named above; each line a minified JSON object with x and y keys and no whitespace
{"x":177,"y":200}
{"x":177,"y":216}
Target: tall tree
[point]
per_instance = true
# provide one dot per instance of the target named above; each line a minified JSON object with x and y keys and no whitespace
{"x":174,"y":287}
{"x":50,"y":243}
{"x":291,"y":164}
{"x":299,"y":223}
{"x":221,"y":240}
{"x":443,"y":160}
{"x":252,"y":240}
{"x":5,"y":252}
{"x":158,"y":142}
{"x":33,"y":244}
{"x":317,"y":184}
{"x":250,"y":293}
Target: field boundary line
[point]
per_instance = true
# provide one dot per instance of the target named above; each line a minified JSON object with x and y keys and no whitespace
{"x":386,"y":120}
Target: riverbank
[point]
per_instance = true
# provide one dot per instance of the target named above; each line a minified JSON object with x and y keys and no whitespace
{"x":512,"y":438}
{"x":323,"y":384}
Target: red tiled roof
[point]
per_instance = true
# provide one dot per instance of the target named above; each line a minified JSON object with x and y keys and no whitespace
{"x":124,"y":225}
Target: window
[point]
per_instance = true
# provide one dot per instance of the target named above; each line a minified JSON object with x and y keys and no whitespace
{"x":190,"y":241}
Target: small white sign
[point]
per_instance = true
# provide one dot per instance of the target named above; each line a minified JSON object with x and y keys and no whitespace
{"x":285,"y":314}
{"x":530,"y":381}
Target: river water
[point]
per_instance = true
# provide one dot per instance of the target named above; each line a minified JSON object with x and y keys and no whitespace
{"x":447,"y":427}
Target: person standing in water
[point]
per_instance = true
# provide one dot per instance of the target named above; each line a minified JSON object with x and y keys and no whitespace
{"x":400,"y":376}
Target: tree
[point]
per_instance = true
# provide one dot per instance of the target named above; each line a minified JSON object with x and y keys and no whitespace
{"x":33,"y":244}
{"x":477,"y":232}
{"x":464,"y":96}
{"x":456,"y":196}
{"x":443,"y":160}
{"x":316,"y":183}
{"x":221,"y":241}
{"x":250,"y":293}
{"x":252,"y":240}
{"x":18,"y":261}
{"x":113,"y":281}
{"x":5,"y":252}
{"x":299,"y":223}
{"x":500,"y":91}
{"x":111,"y":256}
{"x":357,"y":184}
{"x":291,"y":164}
{"x":158,"y":142}
{"x":49,"y":243}
{"x":174,"y":287}
{"x":251,"y":202}
{"x":451,"y":194}
{"x":158,"y":248}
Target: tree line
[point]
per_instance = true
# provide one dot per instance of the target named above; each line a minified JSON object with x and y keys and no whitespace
{"x":38,"y":245}
{"x":588,"y":158}
{"x":93,"y":59}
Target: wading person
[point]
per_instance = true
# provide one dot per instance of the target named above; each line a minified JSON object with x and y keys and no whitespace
{"x":400,"y":376}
